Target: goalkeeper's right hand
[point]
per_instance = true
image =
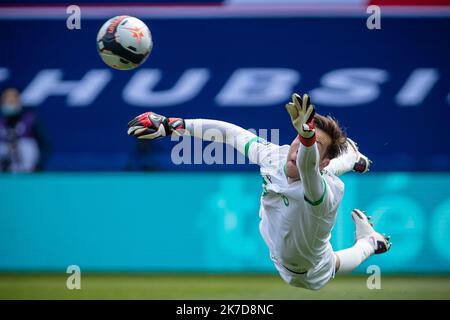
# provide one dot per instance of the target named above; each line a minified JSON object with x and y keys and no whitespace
{"x":302,"y":115}
{"x":150,"y":125}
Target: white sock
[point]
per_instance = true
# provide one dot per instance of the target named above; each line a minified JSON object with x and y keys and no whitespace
{"x":342,"y":164}
{"x":352,"y":257}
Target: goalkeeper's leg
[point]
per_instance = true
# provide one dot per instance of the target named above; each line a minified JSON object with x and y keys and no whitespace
{"x":350,"y":160}
{"x":367,"y":243}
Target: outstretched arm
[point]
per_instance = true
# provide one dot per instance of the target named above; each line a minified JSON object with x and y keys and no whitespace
{"x":150,"y":125}
{"x":302,"y":116}
{"x":220,"y":131}
{"x":308,"y":167}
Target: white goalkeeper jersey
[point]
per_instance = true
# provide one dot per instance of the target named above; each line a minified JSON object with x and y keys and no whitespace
{"x":296,"y":229}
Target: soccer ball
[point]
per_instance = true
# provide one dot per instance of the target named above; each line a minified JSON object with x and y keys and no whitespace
{"x":124,"y":42}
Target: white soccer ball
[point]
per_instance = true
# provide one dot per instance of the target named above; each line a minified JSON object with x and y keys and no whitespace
{"x":124,"y":42}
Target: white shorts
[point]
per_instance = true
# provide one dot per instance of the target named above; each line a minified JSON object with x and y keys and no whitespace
{"x":315,"y":278}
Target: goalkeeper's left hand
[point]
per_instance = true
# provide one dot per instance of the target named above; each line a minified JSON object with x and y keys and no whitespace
{"x":150,"y":125}
{"x":302,"y":115}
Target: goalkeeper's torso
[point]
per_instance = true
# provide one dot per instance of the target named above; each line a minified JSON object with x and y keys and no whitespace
{"x":296,"y":232}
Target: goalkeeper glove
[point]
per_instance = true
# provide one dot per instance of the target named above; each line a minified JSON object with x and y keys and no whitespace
{"x":150,"y":125}
{"x":302,"y":116}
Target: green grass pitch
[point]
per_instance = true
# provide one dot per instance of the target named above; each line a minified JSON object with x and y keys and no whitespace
{"x":232,"y":286}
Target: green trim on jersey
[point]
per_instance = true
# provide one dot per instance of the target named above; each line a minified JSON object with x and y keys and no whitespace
{"x":285,"y":200}
{"x":247,"y":145}
{"x":264,"y":187}
{"x":316,"y":203}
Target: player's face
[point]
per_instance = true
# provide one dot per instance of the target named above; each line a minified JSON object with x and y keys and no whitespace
{"x":10,"y":102}
{"x":323,"y":140}
{"x":11,"y":96}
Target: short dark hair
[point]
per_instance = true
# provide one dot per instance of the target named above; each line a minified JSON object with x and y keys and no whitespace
{"x":338,"y":137}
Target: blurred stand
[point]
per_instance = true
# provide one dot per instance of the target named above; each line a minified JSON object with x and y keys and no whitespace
{"x":23,"y":147}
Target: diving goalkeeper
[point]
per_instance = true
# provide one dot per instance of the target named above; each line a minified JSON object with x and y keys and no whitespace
{"x":301,"y":189}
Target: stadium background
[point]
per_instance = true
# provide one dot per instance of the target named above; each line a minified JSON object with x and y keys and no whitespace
{"x":103,"y":205}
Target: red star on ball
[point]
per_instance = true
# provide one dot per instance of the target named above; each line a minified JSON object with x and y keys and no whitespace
{"x":137,"y":33}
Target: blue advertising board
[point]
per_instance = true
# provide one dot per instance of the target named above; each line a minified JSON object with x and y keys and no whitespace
{"x":389,"y":88}
{"x":121,"y":222}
